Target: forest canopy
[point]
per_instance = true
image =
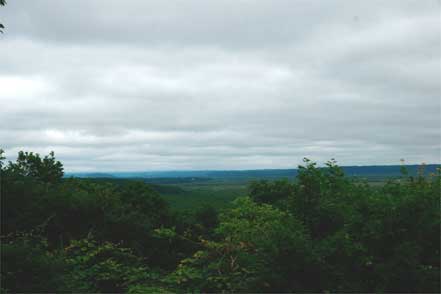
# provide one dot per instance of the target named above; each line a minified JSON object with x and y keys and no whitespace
{"x":320,"y":232}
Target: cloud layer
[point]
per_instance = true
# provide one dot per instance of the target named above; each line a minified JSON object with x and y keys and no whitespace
{"x":154,"y":85}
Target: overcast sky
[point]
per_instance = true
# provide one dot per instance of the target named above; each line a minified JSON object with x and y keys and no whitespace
{"x":139,"y":85}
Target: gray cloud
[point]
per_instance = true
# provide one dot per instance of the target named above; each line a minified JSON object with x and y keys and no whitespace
{"x":147,"y":85}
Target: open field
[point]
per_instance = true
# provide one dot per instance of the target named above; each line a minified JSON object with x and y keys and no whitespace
{"x":216,"y":194}
{"x":187,"y":190}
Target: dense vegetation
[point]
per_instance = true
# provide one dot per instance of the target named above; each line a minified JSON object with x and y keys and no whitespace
{"x":322,"y":232}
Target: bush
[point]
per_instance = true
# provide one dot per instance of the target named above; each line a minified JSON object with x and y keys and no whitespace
{"x":28,"y":267}
{"x":102,"y":267}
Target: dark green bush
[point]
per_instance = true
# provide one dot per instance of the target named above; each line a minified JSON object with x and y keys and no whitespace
{"x":28,"y":267}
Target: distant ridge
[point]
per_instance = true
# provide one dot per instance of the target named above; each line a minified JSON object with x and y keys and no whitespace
{"x":90,"y":175}
{"x":360,"y":171}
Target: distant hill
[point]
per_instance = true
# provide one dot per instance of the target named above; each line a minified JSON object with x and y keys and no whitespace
{"x":90,"y":175}
{"x":378,"y":171}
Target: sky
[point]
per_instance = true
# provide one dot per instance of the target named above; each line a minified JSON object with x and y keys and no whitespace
{"x":234,"y":84}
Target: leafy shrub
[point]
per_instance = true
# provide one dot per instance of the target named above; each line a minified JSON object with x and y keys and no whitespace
{"x":251,"y":238}
{"x":102,"y":267}
{"x":28,"y":267}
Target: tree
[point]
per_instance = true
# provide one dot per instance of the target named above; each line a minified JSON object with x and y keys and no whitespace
{"x":257,"y":248}
{"x":102,"y":268}
{"x":2,"y":3}
{"x":29,"y":164}
{"x":1,"y":169}
{"x":1,"y":157}
{"x":264,"y":191}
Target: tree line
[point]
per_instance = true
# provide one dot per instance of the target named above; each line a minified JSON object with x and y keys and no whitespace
{"x":323,"y":232}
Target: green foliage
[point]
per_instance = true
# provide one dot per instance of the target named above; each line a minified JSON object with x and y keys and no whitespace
{"x":126,"y":213}
{"x":216,"y":194}
{"x":28,"y":267}
{"x":24,"y":184}
{"x":264,"y":191}
{"x":388,"y":236}
{"x":2,"y":157}
{"x":323,"y":232}
{"x":207,"y":216}
{"x":102,"y":267}
{"x":28,"y":164}
{"x":141,"y":289}
{"x":252,"y":238}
